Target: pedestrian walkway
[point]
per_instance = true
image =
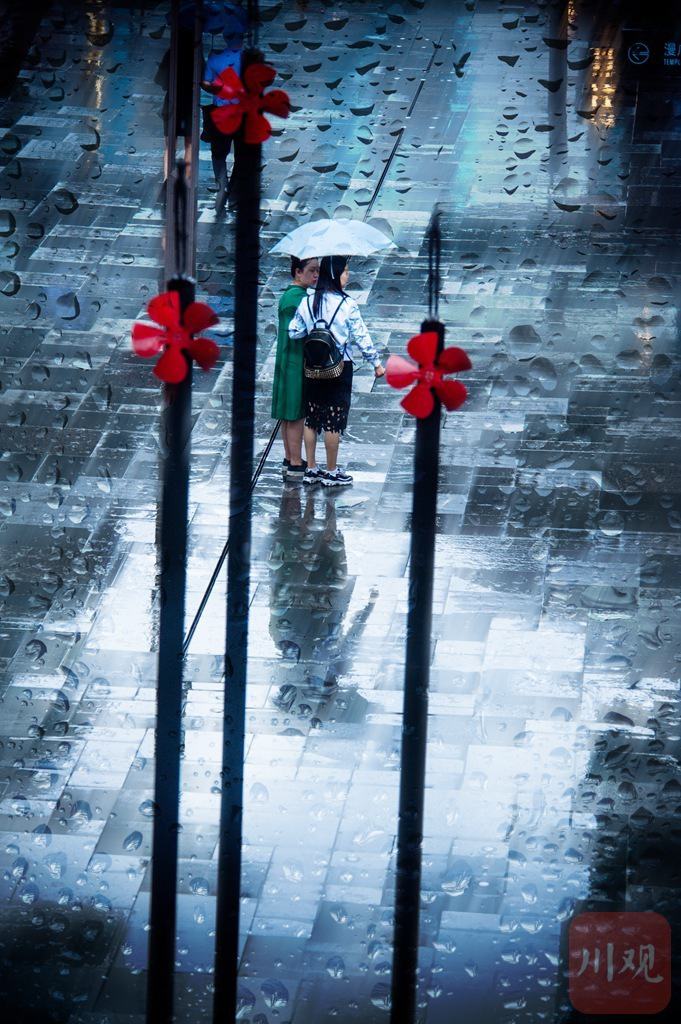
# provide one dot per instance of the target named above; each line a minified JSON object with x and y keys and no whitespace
{"x":553,"y":732}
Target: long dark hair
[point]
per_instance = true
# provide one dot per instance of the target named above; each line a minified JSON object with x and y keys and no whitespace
{"x":330,"y":270}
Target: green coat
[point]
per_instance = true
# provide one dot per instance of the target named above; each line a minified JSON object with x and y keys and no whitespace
{"x":288,"y":396}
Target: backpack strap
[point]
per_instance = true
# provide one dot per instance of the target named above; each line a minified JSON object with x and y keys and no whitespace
{"x":315,"y":320}
{"x":320,"y":319}
{"x":337,"y":308}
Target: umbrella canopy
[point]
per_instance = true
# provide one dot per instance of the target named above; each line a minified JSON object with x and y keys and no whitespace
{"x":217,"y":16}
{"x":342,"y":237}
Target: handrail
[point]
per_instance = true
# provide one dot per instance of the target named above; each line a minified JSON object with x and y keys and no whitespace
{"x":225,"y":550}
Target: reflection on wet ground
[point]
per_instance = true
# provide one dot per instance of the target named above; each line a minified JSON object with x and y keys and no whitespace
{"x":553,"y":782}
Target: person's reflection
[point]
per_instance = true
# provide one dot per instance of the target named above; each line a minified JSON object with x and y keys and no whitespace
{"x":310,"y":595}
{"x":184,"y":106}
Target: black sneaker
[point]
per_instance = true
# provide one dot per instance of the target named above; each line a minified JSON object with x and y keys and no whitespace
{"x":336,"y":478}
{"x":284,"y":467}
{"x":313,"y":476}
{"x":295,"y":474}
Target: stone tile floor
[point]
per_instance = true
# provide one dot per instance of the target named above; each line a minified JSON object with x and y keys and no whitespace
{"x":553,"y":780}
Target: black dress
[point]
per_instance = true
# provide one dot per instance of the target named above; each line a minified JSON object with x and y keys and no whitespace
{"x":327,"y":402}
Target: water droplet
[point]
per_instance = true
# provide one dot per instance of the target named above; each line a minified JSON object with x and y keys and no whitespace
{"x":65,"y":202}
{"x":19,"y":868}
{"x":35,"y":650}
{"x":324,"y":158}
{"x":245,"y":1002}
{"x":199,"y":886}
{"x":293,"y":871}
{"x":289,"y":650}
{"x":8,"y":223}
{"x":259,"y":792}
{"x":10,"y":144}
{"x":611,"y":524}
{"x":10,"y":283}
{"x":56,"y":864}
{"x":274,"y":993}
{"x":67,"y":306}
{"x":529,"y":893}
{"x":524,"y":342}
{"x":380,"y":996}
{"x":42,"y":835}
{"x":100,"y":863}
{"x":29,"y":894}
{"x":104,"y":479}
{"x":81,"y":811}
{"x":457,"y":879}
{"x":133,"y":841}
{"x":336,"y":967}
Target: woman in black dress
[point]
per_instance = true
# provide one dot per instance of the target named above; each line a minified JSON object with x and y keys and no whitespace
{"x":327,"y":402}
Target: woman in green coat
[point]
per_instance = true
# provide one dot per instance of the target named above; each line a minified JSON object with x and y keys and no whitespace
{"x":288,"y":396}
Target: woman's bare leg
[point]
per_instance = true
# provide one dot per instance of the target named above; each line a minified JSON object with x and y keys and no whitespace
{"x":331,"y":442}
{"x":295,"y":441}
{"x":284,"y":437}
{"x":310,"y":446}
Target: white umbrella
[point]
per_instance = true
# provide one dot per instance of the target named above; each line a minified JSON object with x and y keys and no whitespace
{"x":342,"y":237}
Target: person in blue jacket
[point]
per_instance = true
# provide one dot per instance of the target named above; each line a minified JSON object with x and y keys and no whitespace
{"x":217,"y":62}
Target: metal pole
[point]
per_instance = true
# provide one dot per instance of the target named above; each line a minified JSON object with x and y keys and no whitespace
{"x":247,"y":178}
{"x":176,"y":429}
{"x":175,"y":437}
{"x":171,"y":138}
{"x":193,"y":182}
{"x":415,"y":711}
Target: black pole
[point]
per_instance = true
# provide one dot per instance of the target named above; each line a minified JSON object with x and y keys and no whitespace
{"x":247,"y":171}
{"x":172,"y":539}
{"x":171,"y":137}
{"x":557,"y":101}
{"x":415,"y":710}
{"x":175,"y":429}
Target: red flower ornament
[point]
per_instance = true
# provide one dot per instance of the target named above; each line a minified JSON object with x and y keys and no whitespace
{"x":174,"y":335}
{"x":246,"y":104}
{"x":427,"y":375}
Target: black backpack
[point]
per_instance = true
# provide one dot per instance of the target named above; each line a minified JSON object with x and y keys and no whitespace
{"x":322,"y":358}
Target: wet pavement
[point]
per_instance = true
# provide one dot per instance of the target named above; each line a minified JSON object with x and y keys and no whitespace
{"x":553,"y":782}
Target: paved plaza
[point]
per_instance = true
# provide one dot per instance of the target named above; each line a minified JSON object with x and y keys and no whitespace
{"x":553,"y":783}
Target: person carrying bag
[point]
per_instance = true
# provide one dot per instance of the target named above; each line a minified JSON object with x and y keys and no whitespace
{"x":330,"y":325}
